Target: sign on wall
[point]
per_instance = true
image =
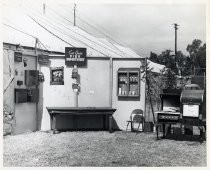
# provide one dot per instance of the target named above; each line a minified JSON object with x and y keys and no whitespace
{"x":43,"y":59}
{"x":75,"y":56}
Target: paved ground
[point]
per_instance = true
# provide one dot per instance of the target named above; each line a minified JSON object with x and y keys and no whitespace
{"x":100,"y":148}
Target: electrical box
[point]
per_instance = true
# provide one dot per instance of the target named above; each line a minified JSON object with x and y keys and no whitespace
{"x":33,"y":95}
{"x":75,"y":73}
{"x":31,"y":77}
{"x":19,"y":82}
{"x":20,"y":95}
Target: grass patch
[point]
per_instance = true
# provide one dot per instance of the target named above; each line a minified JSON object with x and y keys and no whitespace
{"x":100,"y":148}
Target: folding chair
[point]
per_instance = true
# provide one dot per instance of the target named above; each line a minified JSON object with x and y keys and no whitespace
{"x":136,"y":117}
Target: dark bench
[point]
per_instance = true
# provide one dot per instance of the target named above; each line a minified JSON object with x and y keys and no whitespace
{"x":75,"y":111}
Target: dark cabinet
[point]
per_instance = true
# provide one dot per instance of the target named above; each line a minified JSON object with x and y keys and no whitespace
{"x":33,"y":95}
{"x":128,"y":82}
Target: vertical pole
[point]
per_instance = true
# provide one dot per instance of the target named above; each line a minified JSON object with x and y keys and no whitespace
{"x":110,"y":81}
{"x":44,"y":8}
{"x":75,"y":92}
{"x":176,"y":28}
{"x":37,"y":68}
{"x":145,"y":87}
{"x":75,"y":66}
{"x":74,"y":14}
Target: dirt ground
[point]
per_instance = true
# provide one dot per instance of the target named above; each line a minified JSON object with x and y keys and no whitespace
{"x":101,"y":148}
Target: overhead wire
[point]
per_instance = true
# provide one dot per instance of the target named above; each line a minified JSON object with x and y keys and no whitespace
{"x":19,"y":30}
{"x":99,"y":32}
{"x":25,"y":34}
{"x":105,"y":47}
{"x":61,"y":38}
{"x":76,"y":39}
{"x":88,"y":33}
{"x":118,"y":42}
{"x":67,"y":35}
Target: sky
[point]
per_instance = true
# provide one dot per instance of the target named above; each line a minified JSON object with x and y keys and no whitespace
{"x":149,"y":27}
{"x":142,"y":27}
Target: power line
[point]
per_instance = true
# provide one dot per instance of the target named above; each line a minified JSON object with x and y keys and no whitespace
{"x":92,"y":27}
{"x":50,"y":31}
{"x":81,"y":36}
{"x":67,"y":35}
{"x":19,"y":30}
{"x":118,"y":42}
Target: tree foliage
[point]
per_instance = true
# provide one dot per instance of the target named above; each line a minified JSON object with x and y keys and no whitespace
{"x":195,"y":63}
{"x":197,"y":53}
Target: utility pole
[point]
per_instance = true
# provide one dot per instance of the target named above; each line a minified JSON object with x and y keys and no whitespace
{"x":74,"y":14}
{"x":176,"y":28}
{"x":44,"y":8}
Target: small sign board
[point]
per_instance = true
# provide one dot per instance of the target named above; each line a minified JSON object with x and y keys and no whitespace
{"x":75,"y":56}
{"x":18,"y":56}
{"x":43,"y":59}
{"x":191,"y":110}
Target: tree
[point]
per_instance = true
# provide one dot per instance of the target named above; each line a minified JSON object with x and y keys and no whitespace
{"x":184,"y":64}
{"x":197,"y":53}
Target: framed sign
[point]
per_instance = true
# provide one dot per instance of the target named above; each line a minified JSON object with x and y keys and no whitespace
{"x":17,"y":56}
{"x":43,"y":59}
{"x":191,"y":110}
{"x":75,"y":56}
{"x":56,"y":76}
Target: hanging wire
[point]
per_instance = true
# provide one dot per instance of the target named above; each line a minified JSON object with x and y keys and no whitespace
{"x":105,"y":34}
{"x":77,"y":34}
{"x":99,"y":32}
{"x":63,"y":33}
{"x":88,"y":33}
{"x":19,"y":30}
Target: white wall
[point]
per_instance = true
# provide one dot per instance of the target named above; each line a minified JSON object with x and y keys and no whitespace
{"x":94,"y":92}
{"x":95,"y":84}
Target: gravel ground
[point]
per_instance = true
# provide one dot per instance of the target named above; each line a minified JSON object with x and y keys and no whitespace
{"x":100,"y":148}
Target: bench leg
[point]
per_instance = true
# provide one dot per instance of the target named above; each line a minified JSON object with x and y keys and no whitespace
{"x":163,"y":130}
{"x":51,"y":122}
{"x":110,"y":124}
{"x":157,"y":127}
{"x":54,"y":123}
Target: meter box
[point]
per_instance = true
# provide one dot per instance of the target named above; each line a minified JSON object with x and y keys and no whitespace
{"x":33,"y":95}
{"x":31,"y":77}
{"x":20,"y":95}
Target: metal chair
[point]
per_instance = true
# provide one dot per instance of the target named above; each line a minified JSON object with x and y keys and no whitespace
{"x":136,"y":117}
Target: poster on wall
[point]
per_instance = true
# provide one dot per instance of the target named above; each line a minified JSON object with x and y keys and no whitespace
{"x":75,"y":56}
